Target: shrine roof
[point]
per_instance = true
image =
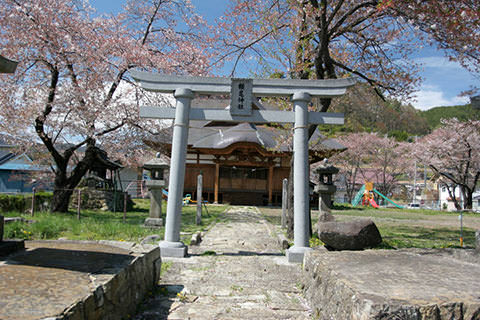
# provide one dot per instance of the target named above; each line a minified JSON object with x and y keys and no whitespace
{"x":243,"y":132}
{"x":217,"y":135}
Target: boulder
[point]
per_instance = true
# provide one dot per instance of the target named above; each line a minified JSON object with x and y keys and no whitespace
{"x":325,"y":217}
{"x":349,"y":235}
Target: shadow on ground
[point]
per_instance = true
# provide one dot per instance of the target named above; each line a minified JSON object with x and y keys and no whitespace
{"x":74,"y":260}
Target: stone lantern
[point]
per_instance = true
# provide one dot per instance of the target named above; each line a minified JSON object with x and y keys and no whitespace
{"x":325,"y":187}
{"x":155,"y":185}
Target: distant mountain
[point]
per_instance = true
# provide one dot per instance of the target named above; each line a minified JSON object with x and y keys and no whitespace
{"x":462,"y":113}
{"x":365,"y":111}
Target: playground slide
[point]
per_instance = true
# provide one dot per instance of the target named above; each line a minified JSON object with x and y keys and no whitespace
{"x":186,"y":200}
{"x":396,"y":205}
{"x":358,"y":196}
{"x":373,"y":203}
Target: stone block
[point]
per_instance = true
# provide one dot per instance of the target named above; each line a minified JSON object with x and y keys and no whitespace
{"x":392,"y":284}
{"x":296,"y":254}
{"x":325,"y":217}
{"x":179,"y":252}
{"x":283,"y":241}
{"x":349,"y":235}
{"x":153,"y":222}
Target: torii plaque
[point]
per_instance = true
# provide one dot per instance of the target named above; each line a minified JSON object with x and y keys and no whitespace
{"x":242,"y":92}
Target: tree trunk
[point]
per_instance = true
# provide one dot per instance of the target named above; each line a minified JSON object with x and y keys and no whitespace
{"x":61,"y":199}
{"x":467,"y":198}
{"x":64,"y":184}
{"x":451,"y":193}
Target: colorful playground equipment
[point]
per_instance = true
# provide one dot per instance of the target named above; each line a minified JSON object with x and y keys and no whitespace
{"x":186,"y":200}
{"x":366,"y":194}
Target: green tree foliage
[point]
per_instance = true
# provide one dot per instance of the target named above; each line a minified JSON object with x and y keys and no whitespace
{"x":366,"y":112}
{"x":462,"y":113}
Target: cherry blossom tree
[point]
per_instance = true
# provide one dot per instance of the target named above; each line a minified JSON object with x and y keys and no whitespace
{"x":351,"y":160}
{"x":72,"y":90}
{"x":452,"y":26}
{"x":371,"y":157}
{"x":453,"y":152}
{"x":327,"y":39}
{"x":310,"y":39}
{"x":390,"y":160}
{"x":321,"y":39}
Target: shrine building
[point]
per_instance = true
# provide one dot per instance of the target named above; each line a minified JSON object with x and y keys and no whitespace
{"x":242,"y":163}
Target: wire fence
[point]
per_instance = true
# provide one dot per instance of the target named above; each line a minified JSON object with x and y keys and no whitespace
{"x":80,"y":199}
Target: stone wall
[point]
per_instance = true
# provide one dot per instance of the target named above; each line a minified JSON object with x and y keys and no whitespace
{"x":100,"y":200}
{"x":118,"y":292}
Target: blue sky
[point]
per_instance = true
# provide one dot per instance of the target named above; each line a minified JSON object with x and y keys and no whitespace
{"x":443,"y":81}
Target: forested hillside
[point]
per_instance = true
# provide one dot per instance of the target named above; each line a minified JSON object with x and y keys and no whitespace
{"x":462,"y":113}
{"x":365,"y":111}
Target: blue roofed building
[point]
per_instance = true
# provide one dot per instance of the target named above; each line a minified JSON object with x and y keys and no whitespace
{"x":16,"y":170}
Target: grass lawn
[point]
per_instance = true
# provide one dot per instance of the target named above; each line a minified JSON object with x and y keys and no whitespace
{"x":104,"y":225}
{"x":405,"y":228}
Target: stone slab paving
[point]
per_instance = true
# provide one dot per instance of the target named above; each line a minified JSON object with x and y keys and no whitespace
{"x":245,"y":277}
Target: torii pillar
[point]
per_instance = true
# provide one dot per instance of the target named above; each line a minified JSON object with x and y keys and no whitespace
{"x":241,"y":91}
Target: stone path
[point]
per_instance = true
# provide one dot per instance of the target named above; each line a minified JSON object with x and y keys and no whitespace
{"x":237,"y":272}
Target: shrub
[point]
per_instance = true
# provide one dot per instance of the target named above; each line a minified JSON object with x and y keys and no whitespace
{"x":23,"y":202}
{"x":12,"y":203}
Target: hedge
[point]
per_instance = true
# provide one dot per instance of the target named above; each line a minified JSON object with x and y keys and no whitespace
{"x":23,"y":202}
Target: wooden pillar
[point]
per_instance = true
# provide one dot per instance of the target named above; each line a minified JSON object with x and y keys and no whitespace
{"x":217,"y":182}
{"x":270,"y":185}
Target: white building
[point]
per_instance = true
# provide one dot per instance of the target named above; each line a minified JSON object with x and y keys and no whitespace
{"x":446,"y":201}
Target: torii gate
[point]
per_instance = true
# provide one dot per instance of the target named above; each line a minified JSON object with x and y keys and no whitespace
{"x":241,"y":92}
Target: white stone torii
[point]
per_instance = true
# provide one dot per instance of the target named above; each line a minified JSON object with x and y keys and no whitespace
{"x":241,"y":91}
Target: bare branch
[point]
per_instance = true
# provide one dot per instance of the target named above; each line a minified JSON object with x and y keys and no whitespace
{"x":372,"y":82}
{"x":350,"y":12}
{"x":104,"y":132}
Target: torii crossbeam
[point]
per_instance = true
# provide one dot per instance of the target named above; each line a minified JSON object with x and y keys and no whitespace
{"x":242,"y":91}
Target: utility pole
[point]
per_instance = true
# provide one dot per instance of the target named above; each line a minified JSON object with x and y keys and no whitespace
{"x":425,"y":181}
{"x":415,"y":184}
{"x":414,"y":200}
